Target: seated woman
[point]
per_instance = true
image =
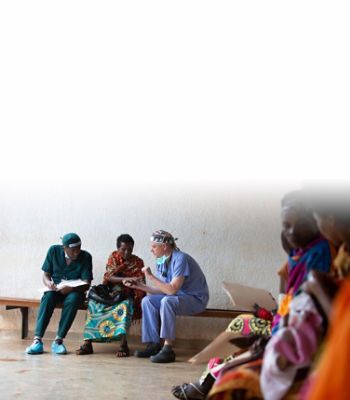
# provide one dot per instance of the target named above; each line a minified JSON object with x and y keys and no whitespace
{"x":307,"y":250}
{"x":311,"y":252}
{"x":110,"y":323}
{"x":331,"y":377}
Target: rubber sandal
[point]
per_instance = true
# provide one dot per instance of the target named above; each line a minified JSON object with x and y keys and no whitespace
{"x":179,"y":391}
{"x":84,"y":349}
{"x":183,"y":392}
{"x":199,"y":391}
{"x":123,"y":349}
{"x":182,"y":395}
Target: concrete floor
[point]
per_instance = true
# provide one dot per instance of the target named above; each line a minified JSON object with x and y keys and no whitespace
{"x":97,"y":376}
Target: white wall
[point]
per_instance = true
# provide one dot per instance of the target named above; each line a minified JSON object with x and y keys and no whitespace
{"x":180,"y":92}
{"x":232,"y":231}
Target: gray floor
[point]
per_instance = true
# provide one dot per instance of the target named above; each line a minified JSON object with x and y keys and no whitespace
{"x":97,"y":376}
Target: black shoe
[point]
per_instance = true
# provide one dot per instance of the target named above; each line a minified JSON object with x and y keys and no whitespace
{"x":150,"y":350}
{"x":164,"y":356}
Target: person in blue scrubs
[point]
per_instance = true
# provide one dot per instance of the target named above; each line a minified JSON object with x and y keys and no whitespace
{"x":63,"y":262}
{"x":179,"y":288}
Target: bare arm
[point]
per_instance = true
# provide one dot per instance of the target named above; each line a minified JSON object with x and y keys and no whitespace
{"x":116,"y":279}
{"x":48,"y":282}
{"x":283,"y":285}
{"x":323,"y":288}
{"x":170,"y":288}
{"x":160,"y":287}
{"x":141,"y":286}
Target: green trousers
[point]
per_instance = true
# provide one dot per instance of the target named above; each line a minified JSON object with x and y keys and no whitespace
{"x":49,"y":301}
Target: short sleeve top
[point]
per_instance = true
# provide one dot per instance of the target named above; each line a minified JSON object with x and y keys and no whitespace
{"x":55,"y":264}
{"x":182,"y":264}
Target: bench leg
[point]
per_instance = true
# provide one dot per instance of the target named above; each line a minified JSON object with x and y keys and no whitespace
{"x":24,"y":311}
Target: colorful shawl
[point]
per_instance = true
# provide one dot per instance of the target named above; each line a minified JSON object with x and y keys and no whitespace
{"x":126,"y":268}
{"x":317,"y":255}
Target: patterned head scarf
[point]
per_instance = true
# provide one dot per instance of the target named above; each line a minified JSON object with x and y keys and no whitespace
{"x":164,"y":237}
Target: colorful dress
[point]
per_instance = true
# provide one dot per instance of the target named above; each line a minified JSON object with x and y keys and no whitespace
{"x":243,"y":382}
{"x":108,"y":323}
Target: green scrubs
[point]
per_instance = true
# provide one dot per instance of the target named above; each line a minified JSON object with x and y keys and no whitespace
{"x":55,"y":264}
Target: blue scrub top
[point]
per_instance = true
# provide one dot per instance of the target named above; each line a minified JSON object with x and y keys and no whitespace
{"x":182,"y":264}
{"x":55,"y":264}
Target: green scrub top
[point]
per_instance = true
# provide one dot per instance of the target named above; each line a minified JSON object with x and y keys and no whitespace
{"x":55,"y":264}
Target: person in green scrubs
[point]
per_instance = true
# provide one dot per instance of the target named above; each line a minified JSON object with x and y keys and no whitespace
{"x":63,"y":262}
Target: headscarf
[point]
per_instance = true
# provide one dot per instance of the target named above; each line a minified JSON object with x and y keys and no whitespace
{"x":161,"y":236}
{"x":71,"y":240}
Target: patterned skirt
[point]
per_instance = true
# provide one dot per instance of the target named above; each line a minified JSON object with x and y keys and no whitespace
{"x":108,"y":323}
{"x":245,"y":324}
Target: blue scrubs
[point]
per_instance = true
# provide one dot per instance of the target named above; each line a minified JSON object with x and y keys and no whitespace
{"x":159,"y":310}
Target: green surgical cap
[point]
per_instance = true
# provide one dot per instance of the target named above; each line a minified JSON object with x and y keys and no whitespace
{"x":71,"y":240}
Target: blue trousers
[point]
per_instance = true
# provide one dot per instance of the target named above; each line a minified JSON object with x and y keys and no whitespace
{"x":71,"y":303}
{"x":159,"y":313}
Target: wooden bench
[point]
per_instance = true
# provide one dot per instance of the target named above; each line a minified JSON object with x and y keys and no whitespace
{"x":24,"y":304}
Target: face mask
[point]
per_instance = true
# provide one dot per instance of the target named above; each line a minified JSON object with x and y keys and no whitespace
{"x":161,"y":260}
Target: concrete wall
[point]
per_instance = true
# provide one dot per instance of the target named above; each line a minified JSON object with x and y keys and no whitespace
{"x":164,"y":91}
{"x":231,"y":230}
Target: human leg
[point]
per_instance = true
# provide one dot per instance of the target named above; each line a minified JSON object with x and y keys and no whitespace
{"x":193,"y":391}
{"x":150,"y":318}
{"x":176,"y":305}
{"x":71,"y":303}
{"x":200,"y":388}
{"x":123,"y":349}
{"x":85,"y":348}
{"x":168,"y":309}
{"x":47,"y":305}
{"x":249,"y":327}
{"x":46,"y":308}
{"x":107,"y":324}
{"x":150,"y":325}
